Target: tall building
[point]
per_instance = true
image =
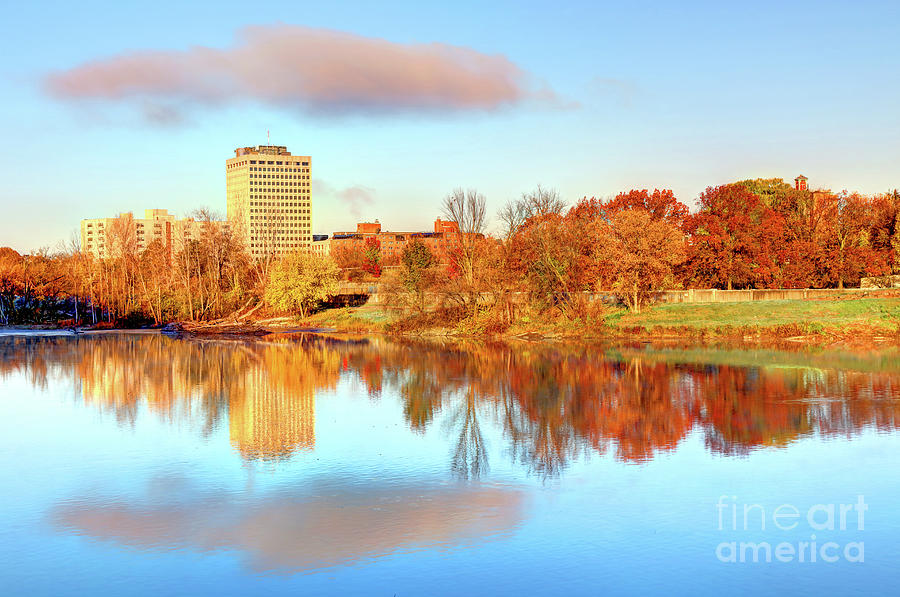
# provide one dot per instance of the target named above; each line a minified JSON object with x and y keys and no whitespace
{"x":100,"y":235}
{"x":269,"y":199}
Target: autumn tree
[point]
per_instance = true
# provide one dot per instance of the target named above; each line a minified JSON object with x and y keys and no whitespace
{"x":74,"y":265}
{"x":121,"y":265}
{"x":641,"y":253}
{"x":372,"y":257}
{"x":554,"y":257}
{"x":847,"y":244}
{"x":776,"y":194}
{"x":417,"y":270}
{"x":11,"y":283}
{"x":539,"y":202}
{"x":154,"y":277}
{"x":732,"y":239}
{"x":659,"y":204}
{"x":301,"y":281}
{"x":885,"y":228}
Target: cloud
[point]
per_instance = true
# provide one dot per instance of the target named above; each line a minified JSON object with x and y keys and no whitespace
{"x":353,"y":197}
{"x":162,"y":114}
{"x":310,"y":70}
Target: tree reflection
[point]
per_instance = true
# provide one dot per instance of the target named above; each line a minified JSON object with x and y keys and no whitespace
{"x":550,"y":403}
{"x":470,"y":458}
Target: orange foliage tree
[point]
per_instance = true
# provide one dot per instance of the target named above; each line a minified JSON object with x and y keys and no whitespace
{"x":641,"y":254}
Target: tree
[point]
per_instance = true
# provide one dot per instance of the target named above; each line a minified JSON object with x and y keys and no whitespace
{"x":300,"y":281}
{"x":733,"y":238}
{"x":467,"y":209}
{"x":885,"y":228}
{"x":847,"y":244}
{"x":554,"y":256}
{"x":641,"y":253}
{"x":11,"y":283}
{"x":775,"y":193}
{"x":155,"y":278}
{"x":539,"y":202}
{"x":122,"y":243}
{"x":660,"y":204}
{"x":416,"y":267}
{"x":372,"y":257}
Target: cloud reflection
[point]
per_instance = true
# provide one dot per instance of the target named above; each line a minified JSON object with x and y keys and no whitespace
{"x":324,"y":524}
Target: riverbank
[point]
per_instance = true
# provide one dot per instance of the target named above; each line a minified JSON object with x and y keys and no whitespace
{"x":851,"y":320}
{"x":857,"y":321}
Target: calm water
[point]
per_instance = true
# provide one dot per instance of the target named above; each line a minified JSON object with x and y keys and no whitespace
{"x":146,"y":465}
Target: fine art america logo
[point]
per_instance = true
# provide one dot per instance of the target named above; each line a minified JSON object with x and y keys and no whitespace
{"x":819,"y":527}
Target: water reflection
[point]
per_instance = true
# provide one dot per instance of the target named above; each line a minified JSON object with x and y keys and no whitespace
{"x":552,"y":402}
{"x":326,"y":523}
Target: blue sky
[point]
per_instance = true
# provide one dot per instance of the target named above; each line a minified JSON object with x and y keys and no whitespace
{"x":650,"y":94}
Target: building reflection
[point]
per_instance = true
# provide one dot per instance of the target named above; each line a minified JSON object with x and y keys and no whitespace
{"x":274,"y":415}
{"x":271,"y":424}
{"x":266,"y":391}
{"x":551,"y":403}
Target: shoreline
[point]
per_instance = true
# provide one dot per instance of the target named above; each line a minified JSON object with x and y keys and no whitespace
{"x":763,"y":335}
{"x":767,"y":336}
{"x":857,"y":322}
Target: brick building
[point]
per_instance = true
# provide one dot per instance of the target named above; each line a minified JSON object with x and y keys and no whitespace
{"x":445,"y":233}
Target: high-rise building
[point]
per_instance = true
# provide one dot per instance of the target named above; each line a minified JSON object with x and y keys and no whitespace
{"x":268,"y":193}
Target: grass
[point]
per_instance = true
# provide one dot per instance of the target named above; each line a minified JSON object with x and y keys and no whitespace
{"x":816,"y":315}
{"x":350,"y":319}
{"x":863,"y":318}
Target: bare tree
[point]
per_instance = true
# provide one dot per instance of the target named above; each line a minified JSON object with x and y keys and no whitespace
{"x":122,"y":247}
{"x":539,"y":202}
{"x":511,"y":216}
{"x":467,"y":209}
{"x":542,"y":202}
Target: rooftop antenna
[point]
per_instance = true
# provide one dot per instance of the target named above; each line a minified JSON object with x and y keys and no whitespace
{"x":268,"y":139}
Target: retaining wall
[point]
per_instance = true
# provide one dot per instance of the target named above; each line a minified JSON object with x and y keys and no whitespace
{"x":704,"y":295}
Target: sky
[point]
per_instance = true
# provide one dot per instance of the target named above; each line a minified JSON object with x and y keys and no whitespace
{"x":111,"y":107}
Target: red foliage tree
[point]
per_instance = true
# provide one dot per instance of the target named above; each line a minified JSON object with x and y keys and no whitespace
{"x":372,"y":262}
{"x":660,"y":204}
{"x":733,"y":239}
{"x":847,"y":243}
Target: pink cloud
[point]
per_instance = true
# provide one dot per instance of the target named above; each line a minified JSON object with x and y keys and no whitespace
{"x":307,"y":69}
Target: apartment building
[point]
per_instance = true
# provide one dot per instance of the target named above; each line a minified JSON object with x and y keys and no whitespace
{"x":268,"y":199}
{"x":100,"y":236}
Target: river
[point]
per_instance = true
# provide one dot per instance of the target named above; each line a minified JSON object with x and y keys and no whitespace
{"x":143,"y":464}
